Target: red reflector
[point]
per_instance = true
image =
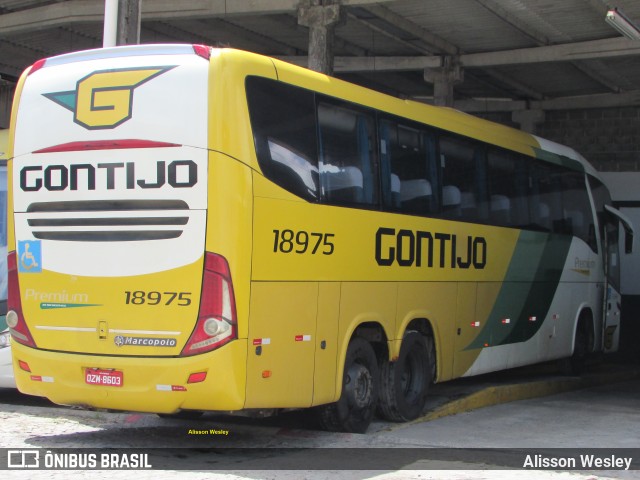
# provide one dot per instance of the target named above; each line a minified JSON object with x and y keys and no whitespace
{"x":36,"y":378}
{"x":197,"y":377}
{"x":266,"y":374}
{"x":24,"y":366}
{"x":37,"y":66}
{"x":178,"y":388}
{"x":202,"y":51}
{"x":105,"y":145}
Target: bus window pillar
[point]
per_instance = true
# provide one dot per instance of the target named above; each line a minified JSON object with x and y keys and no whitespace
{"x":528,"y":119}
{"x":321,"y":17}
{"x":443,"y":79}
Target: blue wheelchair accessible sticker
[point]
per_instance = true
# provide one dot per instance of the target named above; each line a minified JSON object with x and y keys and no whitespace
{"x":30,"y":256}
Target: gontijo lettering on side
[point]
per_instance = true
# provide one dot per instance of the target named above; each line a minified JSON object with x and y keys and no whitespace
{"x":443,"y":250}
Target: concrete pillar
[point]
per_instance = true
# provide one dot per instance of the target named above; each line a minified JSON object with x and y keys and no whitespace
{"x":129,"y":17}
{"x":6,"y":99}
{"x":321,"y":16}
{"x":443,"y":79}
{"x":528,"y":119}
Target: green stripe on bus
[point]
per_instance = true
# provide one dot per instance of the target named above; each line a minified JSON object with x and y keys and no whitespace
{"x":522,"y":306}
{"x":558,"y":160}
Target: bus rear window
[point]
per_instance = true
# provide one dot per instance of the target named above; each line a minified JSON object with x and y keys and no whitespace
{"x":284,"y":131}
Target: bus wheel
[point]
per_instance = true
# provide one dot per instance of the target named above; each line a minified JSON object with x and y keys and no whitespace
{"x":405,"y":382}
{"x":354,"y":410}
{"x":576,"y":363}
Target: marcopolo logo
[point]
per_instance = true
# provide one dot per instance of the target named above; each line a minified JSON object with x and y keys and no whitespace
{"x":104,"y":99}
{"x":121,"y":340}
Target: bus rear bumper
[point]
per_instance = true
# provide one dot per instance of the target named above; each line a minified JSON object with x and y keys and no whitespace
{"x":156,"y":385}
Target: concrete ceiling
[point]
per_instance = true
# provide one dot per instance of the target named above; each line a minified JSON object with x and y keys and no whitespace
{"x":516,"y":54}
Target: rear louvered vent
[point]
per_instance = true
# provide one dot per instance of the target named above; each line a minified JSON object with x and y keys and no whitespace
{"x":108,"y":221}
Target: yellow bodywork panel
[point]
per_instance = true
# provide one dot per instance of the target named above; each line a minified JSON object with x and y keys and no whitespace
{"x":229,"y":225}
{"x":282,"y":342}
{"x":465,"y":327}
{"x":345,"y":244}
{"x":326,"y":365}
{"x":363,"y":250}
{"x":148,"y":384}
{"x":229,"y":127}
{"x":68,"y":310}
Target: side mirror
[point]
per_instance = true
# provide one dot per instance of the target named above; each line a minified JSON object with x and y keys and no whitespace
{"x":628,"y":241}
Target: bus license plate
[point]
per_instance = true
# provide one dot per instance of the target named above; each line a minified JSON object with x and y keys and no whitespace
{"x":97,"y":376}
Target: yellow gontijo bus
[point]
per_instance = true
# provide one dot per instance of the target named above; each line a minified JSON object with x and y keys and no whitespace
{"x":210,"y":229}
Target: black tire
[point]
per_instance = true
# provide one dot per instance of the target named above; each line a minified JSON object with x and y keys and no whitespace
{"x":580,"y":350}
{"x":354,"y":410}
{"x":405,"y":382}
{"x":576,"y":363}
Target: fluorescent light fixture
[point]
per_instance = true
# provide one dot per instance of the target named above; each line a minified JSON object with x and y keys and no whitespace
{"x":622,"y":24}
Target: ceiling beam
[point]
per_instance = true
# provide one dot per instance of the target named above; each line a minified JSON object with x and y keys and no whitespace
{"x":88,"y":11}
{"x":601,"y":100}
{"x":514,"y":21}
{"x":433,"y":43}
{"x":608,"y":48}
{"x":566,"y":52}
{"x":387,"y":34}
{"x":540,"y":36}
{"x":518,"y":87}
{"x":438,"y":44}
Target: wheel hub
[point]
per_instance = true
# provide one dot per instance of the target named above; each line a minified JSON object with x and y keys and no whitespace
{"x":359,"y":385}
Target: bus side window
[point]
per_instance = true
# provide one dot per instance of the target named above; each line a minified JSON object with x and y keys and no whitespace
{"x":284,"y":132}
{"x":545,"y":201}
{"x":508,"y":187}
{"x":348,"y":171}
{"x":409,"y":168}
{"x":577,"y":208}
{"x":464,"y":187}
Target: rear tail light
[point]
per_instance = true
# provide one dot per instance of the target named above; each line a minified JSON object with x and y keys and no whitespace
{"x":37,"y":66}
{"x":217,"y":322}
{"x":203,"y":51}
{"x":15,"y":318}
